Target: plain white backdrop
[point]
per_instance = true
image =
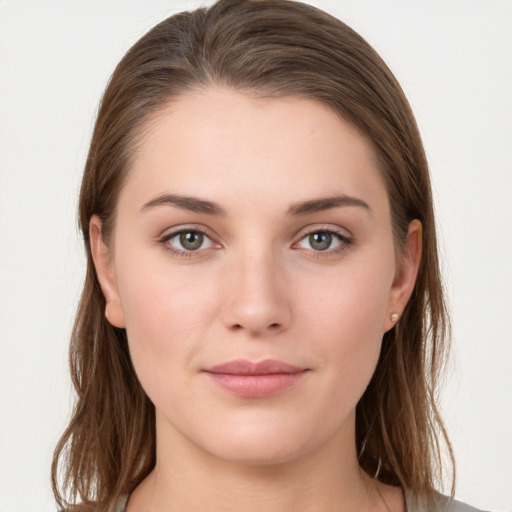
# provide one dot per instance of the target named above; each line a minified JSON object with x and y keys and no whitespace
{"x":454,"y":61}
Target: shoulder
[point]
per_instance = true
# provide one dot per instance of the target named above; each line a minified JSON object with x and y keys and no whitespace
{"x":442,"y":504}
{"x":450,"y":505}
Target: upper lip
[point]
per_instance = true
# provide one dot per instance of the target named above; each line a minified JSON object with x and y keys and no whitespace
{"x":244,"y":367}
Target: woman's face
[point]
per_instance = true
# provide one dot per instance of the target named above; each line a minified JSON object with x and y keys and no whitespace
{"x":253,"y":266}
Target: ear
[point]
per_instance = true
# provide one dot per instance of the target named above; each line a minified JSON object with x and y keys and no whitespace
{"x":103,"y":262}
{"x":405,"y":275}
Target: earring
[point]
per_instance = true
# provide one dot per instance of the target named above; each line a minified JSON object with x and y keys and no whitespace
{"x":394,"y":317}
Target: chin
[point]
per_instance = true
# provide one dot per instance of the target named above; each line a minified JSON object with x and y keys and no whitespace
{"x":259,"y":446}
{"x":257,"y":455}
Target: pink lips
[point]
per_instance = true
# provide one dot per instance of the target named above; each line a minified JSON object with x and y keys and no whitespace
{"x":255,"y":380}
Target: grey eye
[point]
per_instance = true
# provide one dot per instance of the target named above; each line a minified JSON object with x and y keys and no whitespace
{"x":323,"y":240}
{"x":188,"y":240}
{"x":320,"y":241}
{"x":191,"y":240}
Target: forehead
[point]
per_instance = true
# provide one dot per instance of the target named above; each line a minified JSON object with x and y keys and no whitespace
{"x":235,"y":146}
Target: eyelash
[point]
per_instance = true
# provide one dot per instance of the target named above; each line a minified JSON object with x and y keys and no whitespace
{"x":164,"y":241}
{"x":344,"y":240}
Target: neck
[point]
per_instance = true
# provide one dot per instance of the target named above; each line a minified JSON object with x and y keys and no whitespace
{"x":327,"y":479}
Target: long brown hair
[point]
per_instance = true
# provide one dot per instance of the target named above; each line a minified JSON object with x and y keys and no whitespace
{"x":272,"y":48}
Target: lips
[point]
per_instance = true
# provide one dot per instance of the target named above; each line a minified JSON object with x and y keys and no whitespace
{"x":255,"y":379}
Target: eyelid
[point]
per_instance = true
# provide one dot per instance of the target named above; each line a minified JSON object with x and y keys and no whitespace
{"x":180,"y":228}
{"x":170,"y":233}
{"x":344,"y":236}
{"x":328,"y":228}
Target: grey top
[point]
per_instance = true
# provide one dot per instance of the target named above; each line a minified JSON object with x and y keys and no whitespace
{"x":443,"y":504}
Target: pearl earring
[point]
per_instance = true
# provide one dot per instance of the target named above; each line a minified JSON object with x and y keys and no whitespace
{"x":394,"y":317}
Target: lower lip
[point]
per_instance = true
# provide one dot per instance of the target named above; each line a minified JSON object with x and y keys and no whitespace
{"x":256,"y":386}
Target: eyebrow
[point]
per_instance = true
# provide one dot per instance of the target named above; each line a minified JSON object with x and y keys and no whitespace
{"x":194,"y":204}
{"x":326,"y":203}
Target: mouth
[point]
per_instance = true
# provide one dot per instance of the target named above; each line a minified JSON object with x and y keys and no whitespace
{"x":261,"y":379}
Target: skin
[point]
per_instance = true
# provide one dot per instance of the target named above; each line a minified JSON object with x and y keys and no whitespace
{"x":257,"y":288}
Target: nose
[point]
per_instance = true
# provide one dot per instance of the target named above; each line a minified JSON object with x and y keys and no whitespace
{"x":257,"y":300}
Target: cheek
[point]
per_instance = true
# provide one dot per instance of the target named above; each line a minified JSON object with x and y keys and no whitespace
{"x":345,"y":315}
{"x":166,"y":311}
{"x":350,"y":303}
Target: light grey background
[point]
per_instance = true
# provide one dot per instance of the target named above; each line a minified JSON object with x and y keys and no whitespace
{"x":454,"y":60}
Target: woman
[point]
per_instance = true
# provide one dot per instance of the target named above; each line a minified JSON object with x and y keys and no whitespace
{"x":262,"y":323}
